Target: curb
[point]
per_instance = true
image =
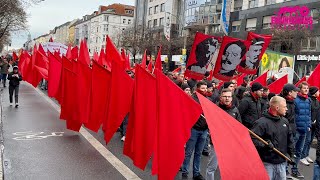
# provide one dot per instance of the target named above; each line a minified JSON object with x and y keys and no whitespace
{"x":1,"y":140}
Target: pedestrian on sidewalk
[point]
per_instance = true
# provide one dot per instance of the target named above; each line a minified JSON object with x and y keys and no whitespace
{"x":275,"y":129}
{"x":4,"y":71}
{"x":14,"y":82}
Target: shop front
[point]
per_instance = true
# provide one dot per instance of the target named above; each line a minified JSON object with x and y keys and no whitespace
{"x":305,"y":63}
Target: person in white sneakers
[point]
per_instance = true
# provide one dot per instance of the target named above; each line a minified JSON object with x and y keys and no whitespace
{"x":14,"y":81}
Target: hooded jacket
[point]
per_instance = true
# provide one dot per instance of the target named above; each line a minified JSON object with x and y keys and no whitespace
{"x":278,"y":131}
{"x":250,"y":110}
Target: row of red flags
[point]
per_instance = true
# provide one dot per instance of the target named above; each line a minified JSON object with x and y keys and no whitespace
{"x":161,"y":115}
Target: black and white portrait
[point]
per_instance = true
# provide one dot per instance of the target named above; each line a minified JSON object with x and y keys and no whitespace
{"x":252,"y":57}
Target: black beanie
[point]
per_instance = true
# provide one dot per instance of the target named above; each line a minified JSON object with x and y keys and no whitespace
{"x":184,"y":86}
{"x":227,"y":84}
{"x":256,"y":86}
{"x":209,"y":85}
{"x":313,"y":90}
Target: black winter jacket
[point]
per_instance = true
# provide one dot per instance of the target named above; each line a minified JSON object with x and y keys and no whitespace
{"x":290,"y":115}
{"x":250,"y":110}
{"x":233,"y":111}
{"x":277,"y":130}
{"x":264,"y":103}
{"x":201,"y":124}
{"x":14,"y":81}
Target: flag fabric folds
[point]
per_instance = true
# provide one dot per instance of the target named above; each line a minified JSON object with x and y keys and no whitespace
{"x":300,"y":81}
{"x":226,"y":134}
{"x":277,"y":85}
{"x":261,"y":79}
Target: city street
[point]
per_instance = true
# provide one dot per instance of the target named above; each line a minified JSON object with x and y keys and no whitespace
{"x":38,"y":146}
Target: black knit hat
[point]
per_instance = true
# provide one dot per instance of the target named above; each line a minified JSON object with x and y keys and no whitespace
{"x":256,"y":86}
{"x":184,"y":86}
{"x":313,"y":90}
{"x":227,"y":84}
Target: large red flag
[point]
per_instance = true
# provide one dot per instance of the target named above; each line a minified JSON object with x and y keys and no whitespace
{"x":259,"y":44}
{"x":120,"y":99}
{"x":227,"y":133}
{"x":201,"y":55}
{"x":42,"y":60}
{"x":177,"y":112}
{"x":158,"y":64}
{"x":69,"y":53}
{"x":261,"y":79}
{"x":277,"y":85}
{"x":96,"y":56}
{"x":144,"y":60}
{"x":54,"y":75}
{"x":101,"y":81}
{"x":150,"y":66}
{"x":240,"y":79}
{"x":102,"y":58}
{"x":14,"y":56}
{"x":84,"y":57}
{"x":43,"y":72}
{"x":231,"y":52}
{"x":75,"y":52}
{"x":314,"y":79}
{"x":112,"y":53}
{"x":141,"y":134}
{"x":300,"y":81}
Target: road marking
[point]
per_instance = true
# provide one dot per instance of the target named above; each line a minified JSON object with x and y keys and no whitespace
{"x":29,"y":135}
{"x":112,"y":159}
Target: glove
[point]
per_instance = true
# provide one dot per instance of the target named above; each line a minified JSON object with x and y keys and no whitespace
{"x":270,"y":145}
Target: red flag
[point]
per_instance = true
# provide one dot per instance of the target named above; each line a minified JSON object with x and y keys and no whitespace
{"x":112,"y":53}
{"x":158,"y":64}
{"x":300,"y":81}
{"x":69,"y":53}
{"x":141,"y":132}
{"x":261,"y":79}
{"x":177,"y":70}
{"x":240,"y":79}
{"x":41,"y":50}
{"x":101,"y":81}
{"x":231,"y":53}
{"x":102,"y":58}
{"x":259,"y":44}
{"x":43,"y":72}
{"x":314,"y":79}
{"x":177,"y":112}
{"x":95,"y":56}
{"x":227,"y":133}
{"x":74,"y":52}
{"x":51,"y":39}
{"x":42,"y":60}
{"x":220,"y":84}
{"x":201,"y":55}
{"x":277,"y":85}
{"x":144,"y":60}
{"x":14,"y":56}
{"x":84,"y":57}
{"x":120,"y":100}
{"x":150,"y":66}
{"x":54,"y":75}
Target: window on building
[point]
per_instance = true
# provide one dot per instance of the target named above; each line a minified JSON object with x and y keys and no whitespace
{"x":315,"y":13}
{"x":150,"y":0}
{"x":150,"y":10}
{"x":97,"y":39}
{"x":253,"y":3}
{"x":251,"y":24}
{"x":106,"y":18}
{"x":129,"y":21}
{"x":237,"y":8}
{"x":155,"y":22}
{"x":266,"y":22}
{"x":129,"y":11}
{"x":161,"y":22}
{"x":162,"y":8}
{"x":102,"y":47}
{"x":124,"y":21}
{"x":149,"y":24}
{"x":312,"y":44}
{"x":156,"y":9}
{"x":268,"y":2}
{"x":309,"y":44}
{"x":103,"y":38}
{"x":98,"y":29}
{"x":236,"y":26}
{"x":105,"y":27}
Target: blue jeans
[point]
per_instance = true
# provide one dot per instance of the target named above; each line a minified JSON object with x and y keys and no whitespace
{"x":309,"y":137}
{"x":195,"y":143}
{"x":124,"y":125}
{"x":4,"y":79}
{"x":206,"y":145}
{"x":212,"y":165}
{"x":276,"y":171}
{"x":300,"y":140}
{"x":316,"y":171}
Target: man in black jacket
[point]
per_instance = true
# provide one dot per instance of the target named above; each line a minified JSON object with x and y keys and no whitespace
{"x":226,"y":104}
{"x":250,"y":106}
{"x":275,"y":129}
{"x":14,"y":82}
{"x":264,"y":99}
{"x":197,"y":140}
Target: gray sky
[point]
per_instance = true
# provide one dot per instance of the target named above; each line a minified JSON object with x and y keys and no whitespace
{"x":51,"y":13}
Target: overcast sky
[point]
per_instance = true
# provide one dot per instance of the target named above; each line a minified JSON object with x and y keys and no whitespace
{"x":51,"y":13}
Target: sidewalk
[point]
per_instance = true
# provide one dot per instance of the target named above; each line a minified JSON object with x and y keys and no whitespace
{"x":38,"y":146}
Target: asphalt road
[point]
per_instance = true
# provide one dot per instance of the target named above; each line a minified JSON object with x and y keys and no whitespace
{"x":38,"y":146}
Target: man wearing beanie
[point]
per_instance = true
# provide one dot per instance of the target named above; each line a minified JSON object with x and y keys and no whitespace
{"x":250,"y":106}
{"x":313,"y":94}
{"x":303,"y":123}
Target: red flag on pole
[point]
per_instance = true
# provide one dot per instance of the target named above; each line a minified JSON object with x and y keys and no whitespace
{"x":261,"y":79}
{"x":112,"y":53}
{"x":240,"y":79}
{"x":150,"y":66}
{"x":95,"y":56}
{"x":227,"y":133}
{"x":84,"y":57}
{"x":300,"y":81}
{"x":177,"y":112}
{"x":14,"y":56}
{"x":75,"y":53}
{"x":277,"y":85}
{"x":101,"y":81}
{"x":158,"y":64}
{"x":102,"y":58}
{"x":120,"y":99}
{"x":54,"y":75}
{"x":314,"y":79}
{"x":69,"y":53}
{"x":144,"y":60}
{"x":43,"y":72}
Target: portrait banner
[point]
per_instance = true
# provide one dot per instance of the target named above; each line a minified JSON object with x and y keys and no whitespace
{"x":232,"y":52}
{"x":201,"y":55}
{"x":259,"y":44}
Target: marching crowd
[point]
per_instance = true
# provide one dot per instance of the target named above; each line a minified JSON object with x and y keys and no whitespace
{"x":288,"y":121}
